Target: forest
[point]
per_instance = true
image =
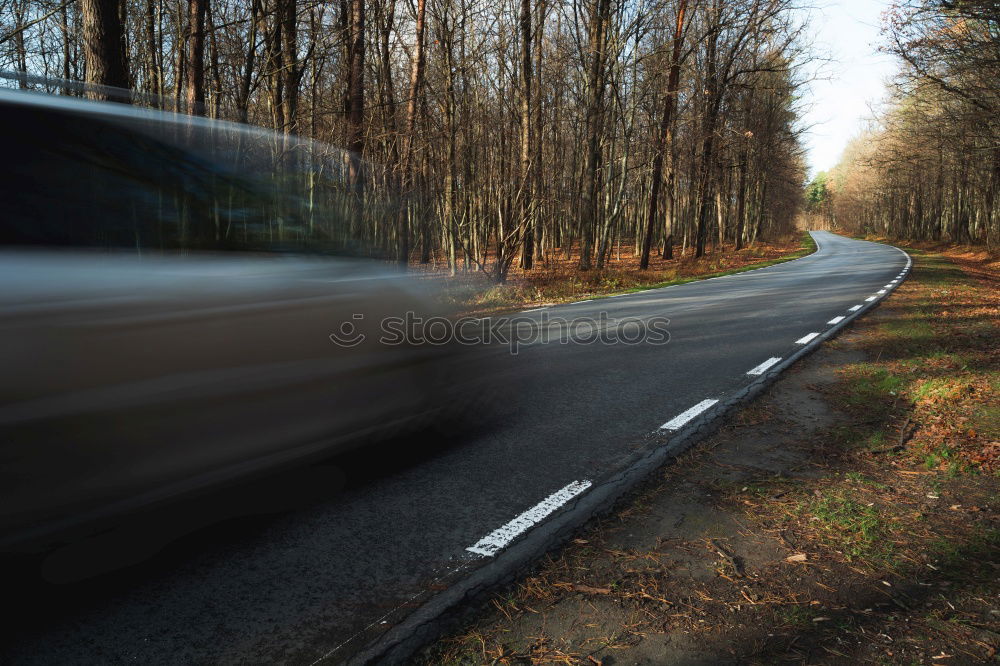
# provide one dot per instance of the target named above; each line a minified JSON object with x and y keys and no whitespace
{"x":499,"y":132}
{"x":928,"y":167}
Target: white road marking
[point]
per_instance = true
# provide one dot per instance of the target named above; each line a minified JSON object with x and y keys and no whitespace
{"x":836,"y":320}
{"x":533,"y":309}
{"x":678,"y":421}
{"x":881,"y":291}
{"x":870,"y":298}
{"x":762,"y":368}
{"x":889,"y":286}
{"x":583,"y":301}
{"x":498,"y":539}
{"x":855,"y":308}
{"x":806,"y":338}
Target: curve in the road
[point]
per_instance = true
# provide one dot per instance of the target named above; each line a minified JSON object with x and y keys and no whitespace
{"x":686,"y":429}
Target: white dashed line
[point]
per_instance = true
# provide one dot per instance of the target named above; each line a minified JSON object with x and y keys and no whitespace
{"x":889,"y":286}
{"x":881,"y":291}
{"x":870,"y":298}
{"x":806,"y":338}
{"x":678,"y":421}
{"x":836,"y":320}
{"x":762,"y":368}
{"x":855,"y":308}
{"x":498,"y":539}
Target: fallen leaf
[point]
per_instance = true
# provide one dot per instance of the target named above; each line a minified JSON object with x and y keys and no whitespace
{"x":586,"y":589}
{"x":797,"y":557}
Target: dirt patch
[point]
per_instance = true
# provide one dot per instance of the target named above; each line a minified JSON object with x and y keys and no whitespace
{"x":814,"y":528}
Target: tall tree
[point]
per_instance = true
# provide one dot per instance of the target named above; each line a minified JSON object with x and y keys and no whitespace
{"x":356,"y":90}
{"x":527,"y":190}
{"x":104,"y":47}
{"x":600,"y":17}
{"x":293,"y":69}
{"x":196,"y":57}
{"x":665,"y":136}
{"x":412,"y":103}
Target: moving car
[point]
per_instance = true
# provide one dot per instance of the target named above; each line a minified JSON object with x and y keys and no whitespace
{"x":178,"y":309}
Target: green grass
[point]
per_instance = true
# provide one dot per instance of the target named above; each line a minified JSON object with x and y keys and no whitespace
{"x":855,"y":528}
{"x":877,"y":440}
{"x":940,"y":388}
{"x":943,"y":454}
{"x":858,"y":477}
{"x":871,"y":386}
{"x":794,"y":617}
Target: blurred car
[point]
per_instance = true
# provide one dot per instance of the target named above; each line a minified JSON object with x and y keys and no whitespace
{"x":140,"y":361}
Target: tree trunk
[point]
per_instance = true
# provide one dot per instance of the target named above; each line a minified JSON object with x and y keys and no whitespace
{"x":527,"y":182}
{"x":666,"y":133}
{"x":246,"y":79}
{"x":153,"y":66}
{"x":356,"y":91}
{"x":712,"y":104}
{"x":416,"y":79}
{"x":103,"y":47}
{"x":596,"y":84}
{"x":196,"y":57}
{"x":293,"y":70}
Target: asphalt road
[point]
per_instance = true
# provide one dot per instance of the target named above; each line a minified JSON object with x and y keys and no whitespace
{"x":314,"y":563}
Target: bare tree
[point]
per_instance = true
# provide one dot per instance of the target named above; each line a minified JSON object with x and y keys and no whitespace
{"x":103,"y":47}
{"x":196,"y":57}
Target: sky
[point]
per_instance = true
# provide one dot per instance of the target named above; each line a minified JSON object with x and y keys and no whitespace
{"x":847,"y":32}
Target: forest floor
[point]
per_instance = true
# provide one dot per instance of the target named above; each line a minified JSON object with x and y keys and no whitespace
{"x":849,"y":515}
{"x":558,"y":279}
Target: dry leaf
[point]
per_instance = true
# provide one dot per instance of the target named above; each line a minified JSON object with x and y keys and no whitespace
{"x":797,"y":557}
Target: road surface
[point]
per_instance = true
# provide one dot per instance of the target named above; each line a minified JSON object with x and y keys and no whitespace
{"x":315,"y":563}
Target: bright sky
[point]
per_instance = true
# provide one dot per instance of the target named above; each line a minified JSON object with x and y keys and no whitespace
{"x":847,"y":31}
